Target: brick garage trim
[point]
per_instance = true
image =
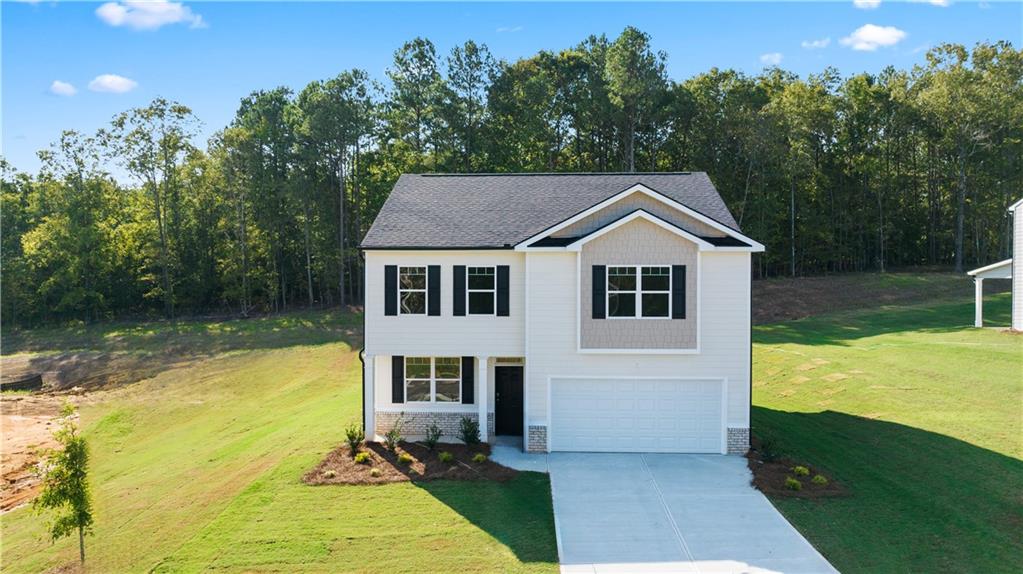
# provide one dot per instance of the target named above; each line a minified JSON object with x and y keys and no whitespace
{"x":537,"y":439}
{"x":416,"y":423}
{"x":738,"y":440}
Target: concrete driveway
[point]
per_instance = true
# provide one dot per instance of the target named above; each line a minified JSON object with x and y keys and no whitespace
{"x":643,"y":513}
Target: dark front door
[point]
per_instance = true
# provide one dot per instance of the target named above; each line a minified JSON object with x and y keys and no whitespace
{"x":508,"y":400}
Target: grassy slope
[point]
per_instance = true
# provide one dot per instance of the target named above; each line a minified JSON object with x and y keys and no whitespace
{"x":919,"y":414}
{"x":199,"y":467}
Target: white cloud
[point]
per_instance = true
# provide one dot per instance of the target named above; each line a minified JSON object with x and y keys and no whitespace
{"x":866,"y":4}
{"x":771,"y":58}
{"x":148,"y":14}
{"x":942,"y":3}
{"x":815,"y":44}
{"x":62,"y":88}
{"x":112,"y":83}
{"x":869,"y":37}
{"x":504,"y":29}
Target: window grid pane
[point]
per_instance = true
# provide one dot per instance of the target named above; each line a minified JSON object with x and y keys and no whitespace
{"x":433,"y":379}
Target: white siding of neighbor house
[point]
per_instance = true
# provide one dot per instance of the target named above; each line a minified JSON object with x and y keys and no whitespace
{"x":551,"y":332}
{"x":444,"y":335}
{"x":1017,"y":269}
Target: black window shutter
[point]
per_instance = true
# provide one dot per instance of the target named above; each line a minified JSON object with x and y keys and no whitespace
{"x":599,"y":291}
{"x":502,"y":290}
{"x":468,"y":379}
{"x":397,"y":379}
{"x":433,"y":290}
{"x":458,"y":288}
{"x":678,"y":291}
{"x":390,"y":289}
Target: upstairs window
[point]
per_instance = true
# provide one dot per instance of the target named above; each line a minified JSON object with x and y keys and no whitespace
{"x":639,"y":292}
{"x":482,"y":289}
{"x":412,"y":290}
{"x":433,"y":379}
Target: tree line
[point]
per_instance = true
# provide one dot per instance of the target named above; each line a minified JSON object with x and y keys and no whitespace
{"x":832,"y":173}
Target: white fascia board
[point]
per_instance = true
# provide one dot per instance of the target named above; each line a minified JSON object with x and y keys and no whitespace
{"x":757,"y":247}
{"x":1014,"y":206}
{"x":988,"y":268}
{"x":640,"y":214}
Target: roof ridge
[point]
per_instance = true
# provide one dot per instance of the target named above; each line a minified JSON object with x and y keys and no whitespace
{"x":551,"y":173}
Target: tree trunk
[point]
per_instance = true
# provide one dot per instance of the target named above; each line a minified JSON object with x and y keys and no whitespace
{"x":792,"y":224}
{"x":81,"y":545}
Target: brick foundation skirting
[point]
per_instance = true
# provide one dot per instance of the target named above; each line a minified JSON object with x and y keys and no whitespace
{"x":738,"y":440}
{"x":416,"y":423}
{"x":537,"y":440}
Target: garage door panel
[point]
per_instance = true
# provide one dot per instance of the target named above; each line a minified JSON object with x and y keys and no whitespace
{"x":649,"y":415}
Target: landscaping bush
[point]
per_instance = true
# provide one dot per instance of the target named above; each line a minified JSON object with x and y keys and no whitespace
{"x":354,"y":435}
{"x":469,"y":431}
{"x":394,"y":436}
{"x":793,"y":484}
{"x":446,"y":457}
{"x":801,"y":471}
{"x":405,"y":458}
{"x":375,"y":472}
{"x":768,"y":449}
{"x":433,"y":435}
{"x":362,"y":458}
{"x":479,"y":457}
{"x":819,"y":480}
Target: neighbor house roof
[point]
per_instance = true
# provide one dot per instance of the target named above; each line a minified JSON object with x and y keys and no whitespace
{"x":497,"y":211}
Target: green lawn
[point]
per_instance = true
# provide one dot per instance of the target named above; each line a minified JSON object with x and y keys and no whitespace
{"x":199,"y":468}
{"x":920,"y":416}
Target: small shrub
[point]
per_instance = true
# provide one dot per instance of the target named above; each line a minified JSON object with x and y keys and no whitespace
{"x":768,"y":449}
{"x":793,"y":484}
{"x":394,"y":436}
{"x":329,"y":474}
{"x":405,"y":458}
{"x":354,"y":435}
{"x":479,"y":458}
{"x":446,"y":457}
{"x":801,"y":471}
{"x":469,"y":431}
{"x":362,"y":458}
{"x":819,"y":480}
{"x":433,"y":435}
{"x":375,"y":472}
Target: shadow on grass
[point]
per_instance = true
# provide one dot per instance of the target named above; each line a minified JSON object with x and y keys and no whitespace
{"x":920,"y":501}
{"x":840,"y":328}
{"x":519,"y":513}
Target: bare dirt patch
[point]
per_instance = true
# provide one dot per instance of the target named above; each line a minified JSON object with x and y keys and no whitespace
{"x":27,"y":423}
{"x":340,"y":468}
{"x":769,"y":476}
{"x":86,"y":370}
{"x":785,"y":299}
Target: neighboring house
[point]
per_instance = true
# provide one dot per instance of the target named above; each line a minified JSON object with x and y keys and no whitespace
{"x":581,"y":312}
{"x":1003,"y":270}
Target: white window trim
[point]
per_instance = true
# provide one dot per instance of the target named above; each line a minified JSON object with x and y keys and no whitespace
{"x":433,"y":381}
{"x":638,"y":292}
{"x":468,"y":290}
{"x":425,"y":290}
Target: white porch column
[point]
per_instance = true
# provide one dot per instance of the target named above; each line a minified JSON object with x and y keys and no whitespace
{"x":978,"y":303}
{"x":369,"y":392}
{"x":481,"y":395}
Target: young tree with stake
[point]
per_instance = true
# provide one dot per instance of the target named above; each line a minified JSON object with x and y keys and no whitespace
{"x":66,"y":483}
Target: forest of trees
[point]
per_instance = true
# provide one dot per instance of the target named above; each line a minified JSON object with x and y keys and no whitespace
{"x":833,"y":173}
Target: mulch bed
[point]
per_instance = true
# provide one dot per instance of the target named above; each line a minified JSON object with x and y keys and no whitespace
{"x":769,"y":477}
{"x":340,"y":468}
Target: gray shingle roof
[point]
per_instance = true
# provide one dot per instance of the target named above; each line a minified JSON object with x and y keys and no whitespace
{"x":501,"y":210}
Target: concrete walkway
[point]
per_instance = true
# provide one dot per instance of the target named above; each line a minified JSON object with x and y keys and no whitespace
{"x":644,"y":513}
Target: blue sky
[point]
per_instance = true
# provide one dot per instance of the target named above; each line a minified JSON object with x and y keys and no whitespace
{"x":208,"y":55}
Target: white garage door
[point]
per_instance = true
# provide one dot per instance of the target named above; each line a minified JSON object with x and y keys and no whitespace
{"x":636,"y":415}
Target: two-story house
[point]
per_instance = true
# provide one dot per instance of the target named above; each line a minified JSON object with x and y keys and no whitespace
{"x":580,"y":312}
